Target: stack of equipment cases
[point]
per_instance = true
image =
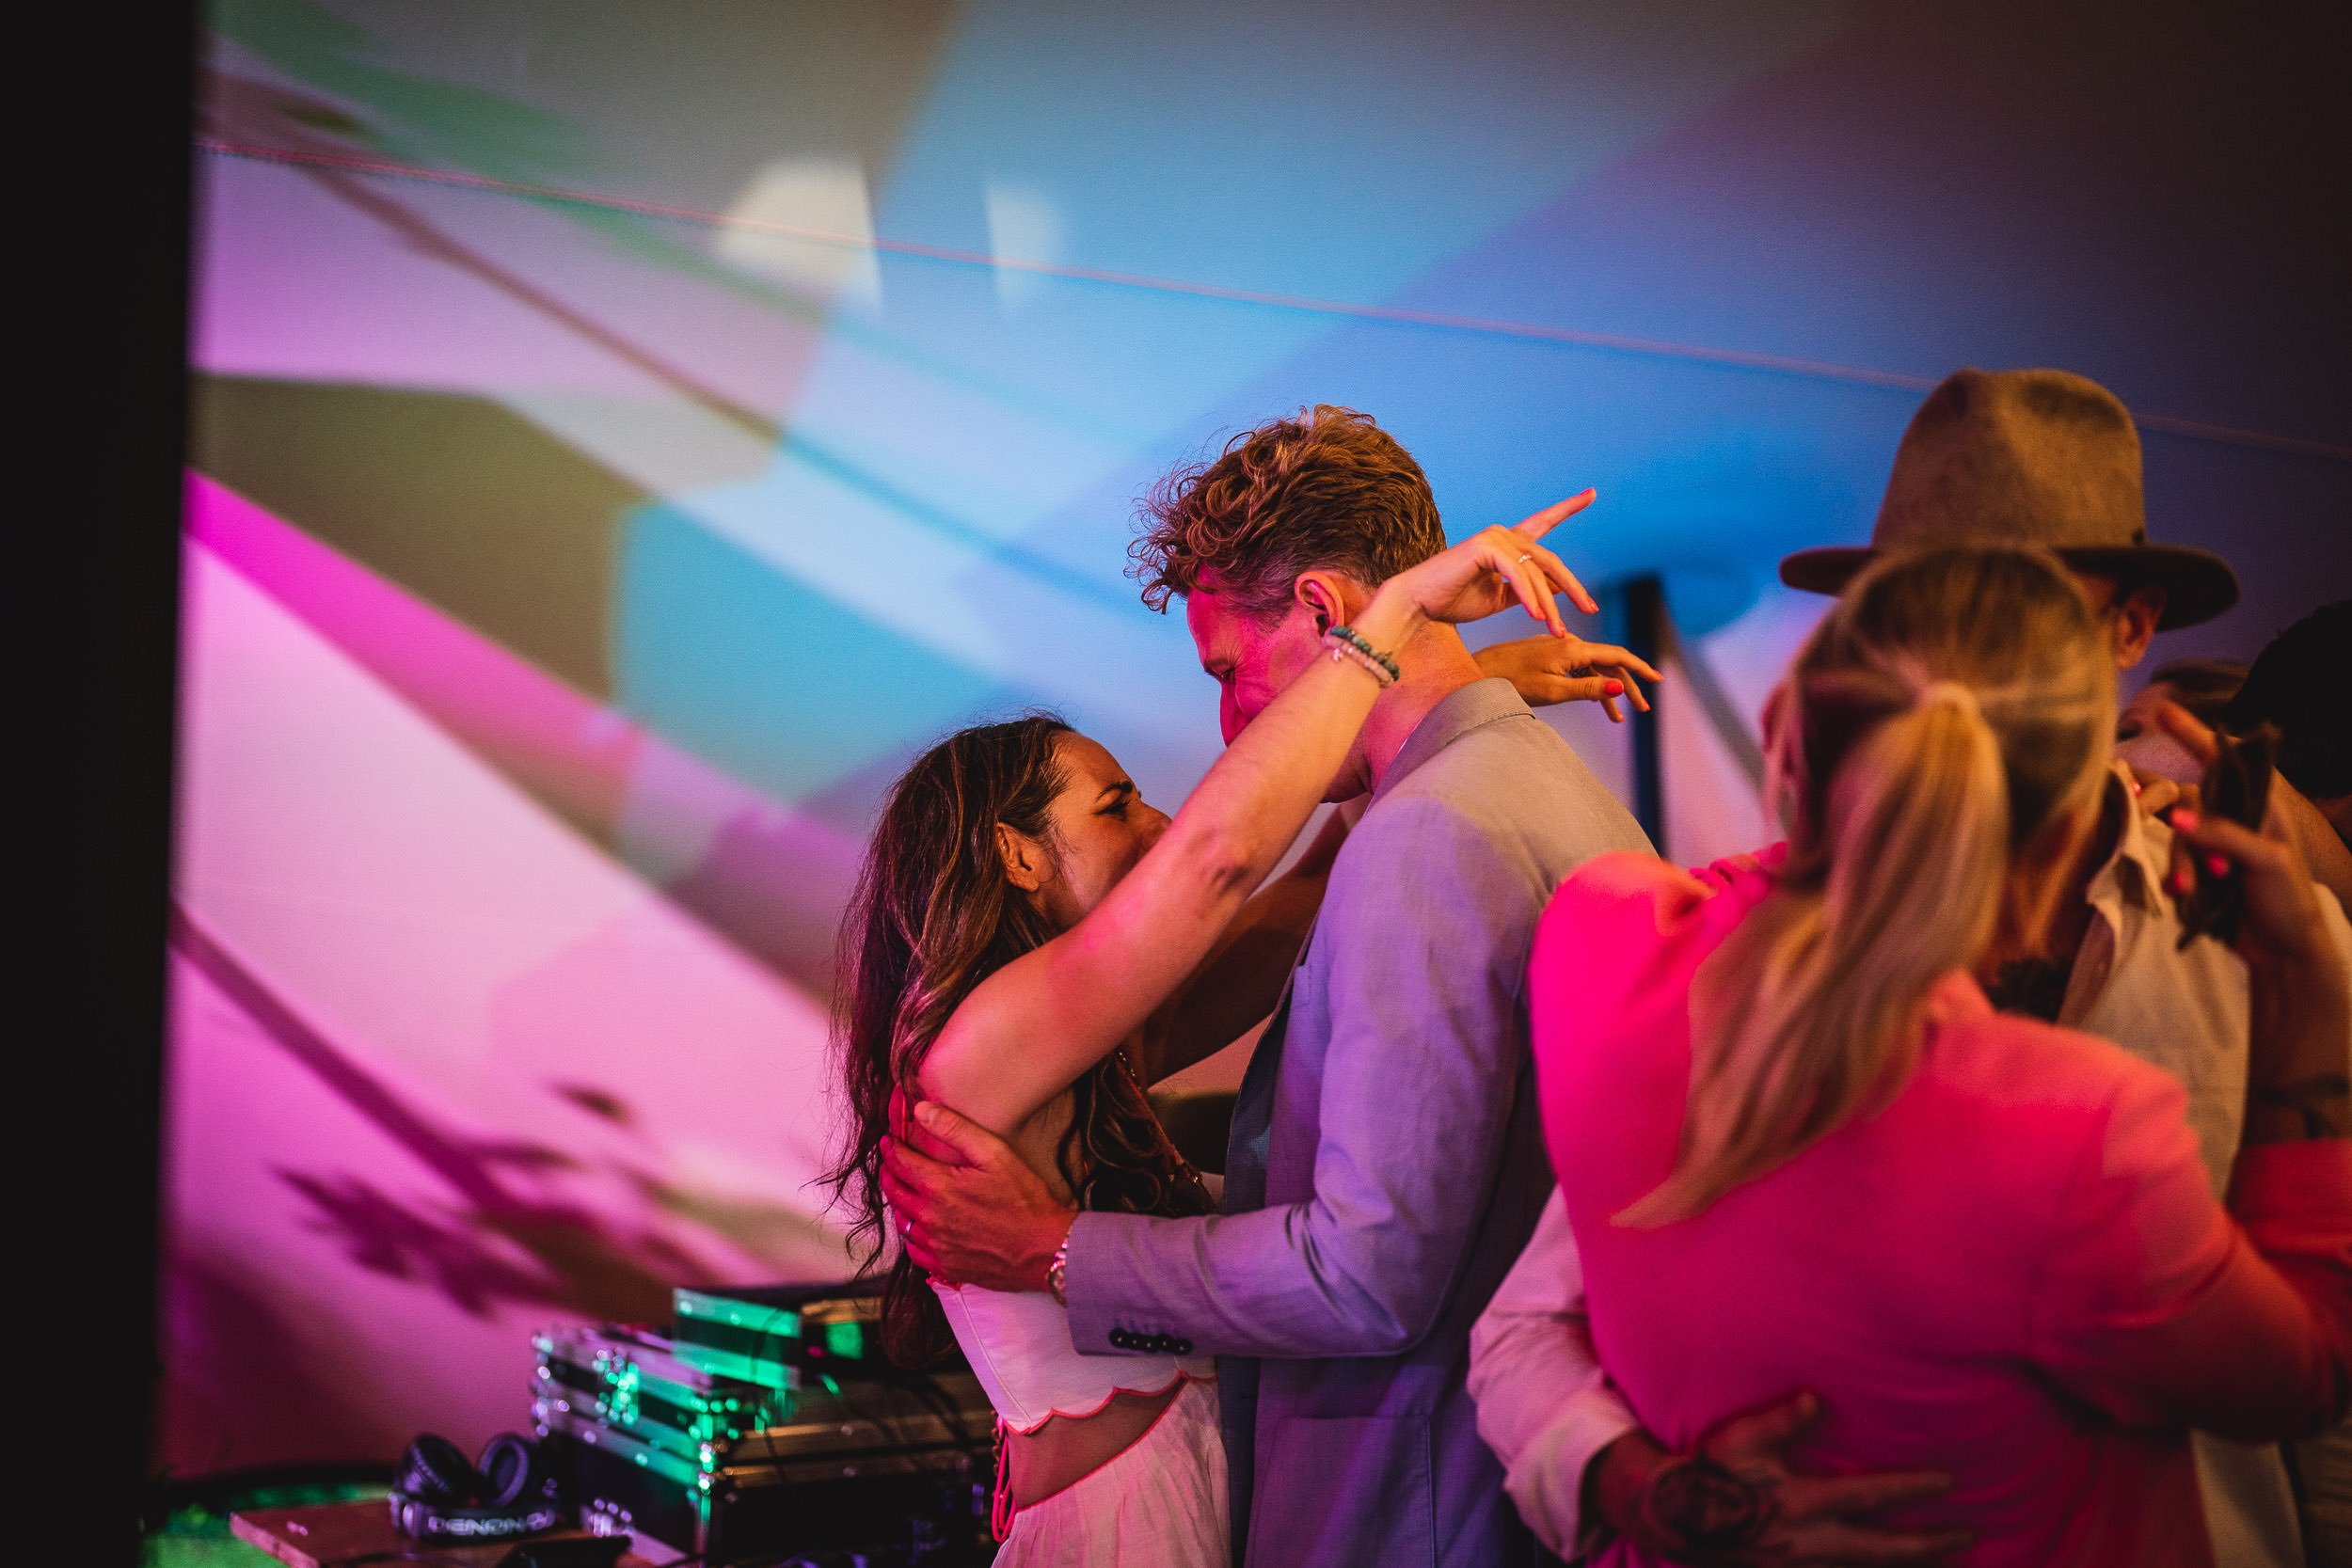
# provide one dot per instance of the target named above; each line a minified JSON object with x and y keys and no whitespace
{"x":778,"y":1429}
{"x":617,"y":1389}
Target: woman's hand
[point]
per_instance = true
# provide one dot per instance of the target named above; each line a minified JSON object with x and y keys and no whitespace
{"x":1490,"y":570}
{"x":1550,"y":670}
{"x":2328,"y":861}
{"x":2283,"y":923}
{"x":2299,"y":997}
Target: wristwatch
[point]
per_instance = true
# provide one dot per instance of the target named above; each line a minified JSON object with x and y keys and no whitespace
{"x":1057,"y":1271}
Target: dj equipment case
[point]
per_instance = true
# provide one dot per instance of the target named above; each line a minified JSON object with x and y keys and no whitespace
{"x":769,"y":1335}
{"x":804,"y":1439}
{"x":625,"y":1379}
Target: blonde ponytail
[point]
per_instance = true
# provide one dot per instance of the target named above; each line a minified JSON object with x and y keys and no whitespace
{"x":1918,"y":744}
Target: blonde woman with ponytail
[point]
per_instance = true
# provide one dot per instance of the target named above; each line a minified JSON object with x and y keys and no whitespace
{"x":1800,"y":1151}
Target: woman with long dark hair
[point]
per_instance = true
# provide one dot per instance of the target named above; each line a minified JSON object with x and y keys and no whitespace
{"x":1031,"y":944}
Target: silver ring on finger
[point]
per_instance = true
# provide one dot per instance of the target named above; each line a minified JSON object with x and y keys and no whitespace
{"x":1583,"y":672}
{"x":1528,"y":557}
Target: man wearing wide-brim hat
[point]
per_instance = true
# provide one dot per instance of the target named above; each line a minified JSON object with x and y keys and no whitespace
{"x":2039,"y":457}
{"x":2050,"y":458}
{"x":2035,"y":457}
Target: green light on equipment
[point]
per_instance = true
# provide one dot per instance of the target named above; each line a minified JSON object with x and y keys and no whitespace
{"x":846,"y":1338}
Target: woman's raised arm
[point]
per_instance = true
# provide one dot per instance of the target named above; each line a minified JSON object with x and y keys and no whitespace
{"x":1031,"y":1029}
{"x":1241,"y":980}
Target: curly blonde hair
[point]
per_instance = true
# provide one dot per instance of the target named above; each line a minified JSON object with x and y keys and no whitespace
{"x":1324,"y":488}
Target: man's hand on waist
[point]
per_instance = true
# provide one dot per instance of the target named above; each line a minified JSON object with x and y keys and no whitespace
{"x":970,"y":1210}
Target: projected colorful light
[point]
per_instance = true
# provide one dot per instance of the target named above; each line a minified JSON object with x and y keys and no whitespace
{"x":617,"y":451}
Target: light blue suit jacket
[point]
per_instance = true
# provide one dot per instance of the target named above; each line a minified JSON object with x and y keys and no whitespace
{"x":1385,"y":1168}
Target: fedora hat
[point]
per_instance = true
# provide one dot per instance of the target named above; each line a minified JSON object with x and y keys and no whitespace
{"x":2027,"y":457}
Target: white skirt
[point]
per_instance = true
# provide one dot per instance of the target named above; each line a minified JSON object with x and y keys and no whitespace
{"x":1160,"y":1503}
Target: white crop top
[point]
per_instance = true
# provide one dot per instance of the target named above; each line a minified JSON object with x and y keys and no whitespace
{"x":1018,"y":1347}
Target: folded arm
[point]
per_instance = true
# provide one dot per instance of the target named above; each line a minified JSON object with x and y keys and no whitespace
{"x":1031,"y":1029}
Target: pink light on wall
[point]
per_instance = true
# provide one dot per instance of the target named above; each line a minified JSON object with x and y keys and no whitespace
{"x":441,"y":1070}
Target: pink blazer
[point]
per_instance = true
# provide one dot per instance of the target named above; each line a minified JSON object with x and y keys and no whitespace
{"x":2016,"y":1271}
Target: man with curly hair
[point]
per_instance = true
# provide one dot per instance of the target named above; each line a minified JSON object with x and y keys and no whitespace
{"x":1385,"y":1164}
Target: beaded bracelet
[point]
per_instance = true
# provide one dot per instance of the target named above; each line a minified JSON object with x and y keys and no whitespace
{"x":1341,"y":652}
{"x":1371,"y":664}
{"x":1348,"y":642}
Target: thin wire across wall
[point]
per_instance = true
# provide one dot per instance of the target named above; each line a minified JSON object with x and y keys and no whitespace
{"x":1491,"y":327}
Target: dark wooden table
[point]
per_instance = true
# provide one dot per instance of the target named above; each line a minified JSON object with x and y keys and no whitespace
{"x":330,"y":1535}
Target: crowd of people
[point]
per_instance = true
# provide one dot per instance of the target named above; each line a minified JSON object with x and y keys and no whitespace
{"x":1962,"y":1178}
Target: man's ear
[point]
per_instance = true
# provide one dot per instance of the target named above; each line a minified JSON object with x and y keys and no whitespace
{"x":1326,"y":596}
{"x":1027,"y":866}
{"x":2132,"y":624}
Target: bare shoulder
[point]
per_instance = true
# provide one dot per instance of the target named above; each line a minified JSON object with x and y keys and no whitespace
{"x":964,"y":1070}
{"x":961,"y":1081}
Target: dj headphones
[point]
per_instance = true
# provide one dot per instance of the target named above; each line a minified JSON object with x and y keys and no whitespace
{"x":437,"y":1496}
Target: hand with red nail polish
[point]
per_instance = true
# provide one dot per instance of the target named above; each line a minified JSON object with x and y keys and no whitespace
{"x":1549,"y":670}
{"x":2299,"y":1000}
{"x":2322,"y":848}
{"x":2283,"y":922}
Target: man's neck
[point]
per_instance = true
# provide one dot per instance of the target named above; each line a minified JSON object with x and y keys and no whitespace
{"x":1433,"y":666}
{"x":2072,"y":917}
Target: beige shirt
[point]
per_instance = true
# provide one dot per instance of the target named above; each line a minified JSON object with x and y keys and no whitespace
{"x":1545,"y":1404}
{"x":2183,"y":1009}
